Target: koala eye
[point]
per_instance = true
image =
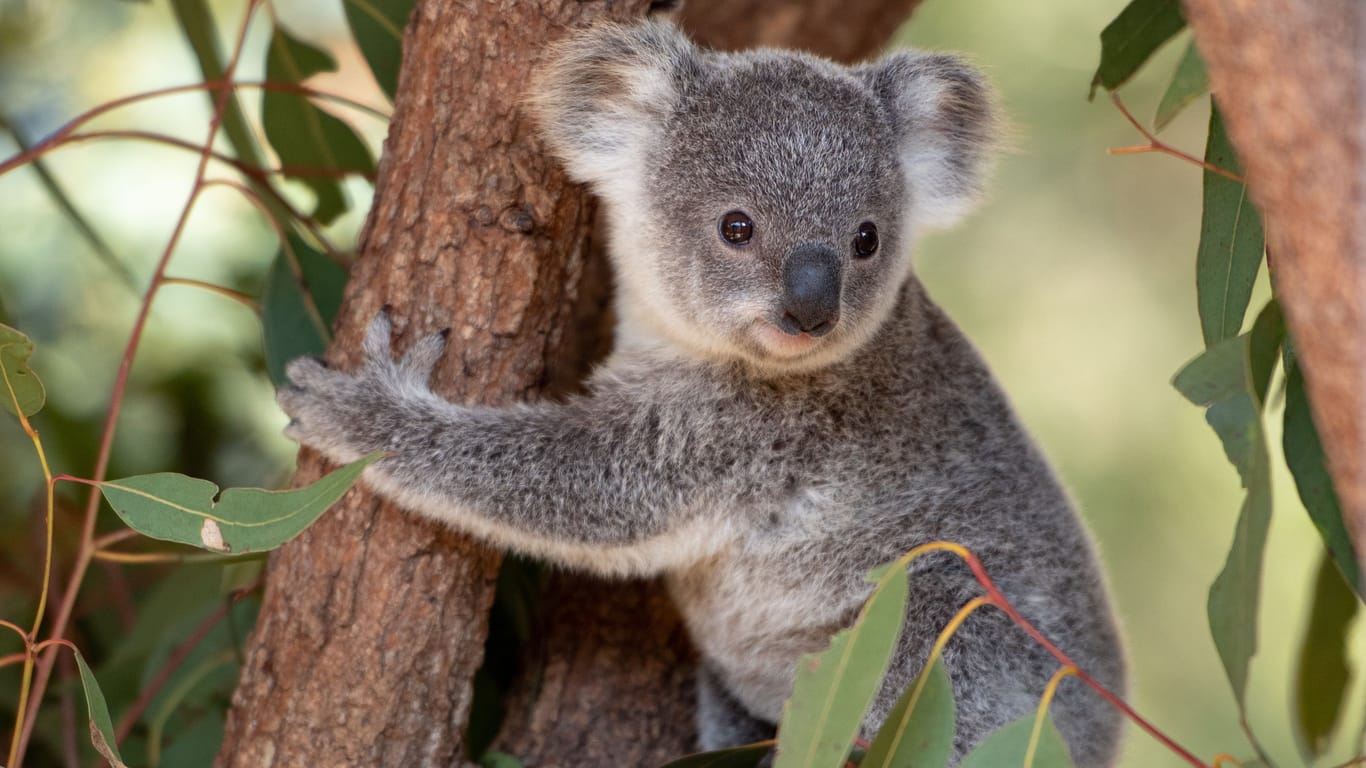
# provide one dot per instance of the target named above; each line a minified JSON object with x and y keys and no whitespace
{"x":737,"y":228}
{"x":865,"y":240}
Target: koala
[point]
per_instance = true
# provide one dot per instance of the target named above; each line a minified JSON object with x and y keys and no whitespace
{"x":784,"y":408}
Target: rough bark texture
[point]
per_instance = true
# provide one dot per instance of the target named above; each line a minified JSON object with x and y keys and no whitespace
{"x":845,"y":31}
{"x":1290,"y":78}
{"x":611,"y":683}
{"x":373,"y":621}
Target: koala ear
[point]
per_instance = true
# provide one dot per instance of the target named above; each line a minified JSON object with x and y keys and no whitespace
{"x":945,"y":121}
{"x":603,"y":93}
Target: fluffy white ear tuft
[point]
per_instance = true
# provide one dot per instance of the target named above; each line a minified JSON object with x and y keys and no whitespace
{"x":604,"y":91}
{"x":945,"y":119}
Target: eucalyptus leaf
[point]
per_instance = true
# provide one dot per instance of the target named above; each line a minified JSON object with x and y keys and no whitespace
{"x":918,"y":732}
{"x":298,"y":305}
{"x":304,"y":136}
{"x":736,"y":757}
{"x":1231,"y":242}
{"x":23,"y":391}
{"x":1321,"y":676}
{"x":1008,"y":746}
{"x":1234,"y":400}
{"x":833,"y":689}
{"x":173,"y":507}
{"x":1135,"y":34}
{"x":1189,"y":82}
{"x":1304,"y":455}
{"x":499,"y":760}
{"x":378,"y":26}
{"x":101,"y":727}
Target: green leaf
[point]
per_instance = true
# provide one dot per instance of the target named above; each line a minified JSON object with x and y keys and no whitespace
{"x":499,"y":760}
{"x":918,"y":733}
{"x":1189,"y":82}
{"x":1127,"y":42}
{"x":1231,"y":242}
{"x":1304,"y":455}
{"x":173,"y":507}
{"x":197,"y":744}
{"x":1007,"y":747}
{"x":23,"y":392}
{"x":1321,"y":679}
{"x":833,"y":689}
{"x":101,"y":727}
{"x":298,"y":305}
{"x":304,"y":136}
{"x":1234,"y":399}
{"x":377,"y":26}
{"x":736,"y":757}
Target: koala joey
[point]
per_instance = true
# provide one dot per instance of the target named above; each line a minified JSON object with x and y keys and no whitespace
{"x":785,"y":408}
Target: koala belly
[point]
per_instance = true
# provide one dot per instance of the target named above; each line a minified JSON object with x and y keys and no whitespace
{"x":752,"y":617}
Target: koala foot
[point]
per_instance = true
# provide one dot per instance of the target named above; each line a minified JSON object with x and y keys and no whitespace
{"x":346,"y":415}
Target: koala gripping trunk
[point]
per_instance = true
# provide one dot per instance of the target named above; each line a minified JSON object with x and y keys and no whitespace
{"x":373,"y":621}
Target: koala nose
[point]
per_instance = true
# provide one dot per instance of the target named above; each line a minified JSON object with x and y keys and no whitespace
{"x":811,"y":291}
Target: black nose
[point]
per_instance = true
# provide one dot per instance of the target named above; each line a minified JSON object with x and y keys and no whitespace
{"x":811,"y":290}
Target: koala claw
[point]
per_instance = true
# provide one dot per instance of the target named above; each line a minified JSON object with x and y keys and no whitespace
{"x":417,"y":364}
{"x":306,"y":372}
{"x":376,"y":344}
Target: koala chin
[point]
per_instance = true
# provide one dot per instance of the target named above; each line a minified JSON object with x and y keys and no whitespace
{"x":785,"y":407}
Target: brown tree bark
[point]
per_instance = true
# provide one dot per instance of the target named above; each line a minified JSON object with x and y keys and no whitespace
{"x":846,"y":31}
{"x":1290,"y":78}
{"x":373,"y":621}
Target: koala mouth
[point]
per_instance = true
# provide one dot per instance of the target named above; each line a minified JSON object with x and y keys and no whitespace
{"x":779,"y":342}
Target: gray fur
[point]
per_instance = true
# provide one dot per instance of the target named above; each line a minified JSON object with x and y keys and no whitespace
{"x":763,"y":475}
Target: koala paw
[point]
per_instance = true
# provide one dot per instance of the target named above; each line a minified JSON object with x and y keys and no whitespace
{"x":346,"y":415}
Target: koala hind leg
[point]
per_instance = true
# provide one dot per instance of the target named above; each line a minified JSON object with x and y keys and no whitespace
{"x":721,"y":720}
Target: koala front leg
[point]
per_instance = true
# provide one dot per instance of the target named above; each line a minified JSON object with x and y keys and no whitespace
{"x":591,"y":483}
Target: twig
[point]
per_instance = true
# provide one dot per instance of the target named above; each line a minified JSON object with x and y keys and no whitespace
{"x":227,"y":293}
{"x":59,"y":196}
{"x":1156,"y":145}
{"x":174,"y":659}
{"x":84,"y":555}
{"x":54,"y":138}
{"x":71,"y":753}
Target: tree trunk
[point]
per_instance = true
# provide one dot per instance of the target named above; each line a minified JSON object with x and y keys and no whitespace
{"x":1290,"y":78}
{"x":847,"y":31}
{"x":373,"y":621}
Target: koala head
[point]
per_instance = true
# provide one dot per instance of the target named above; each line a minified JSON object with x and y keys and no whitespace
{"x":761,"y":205}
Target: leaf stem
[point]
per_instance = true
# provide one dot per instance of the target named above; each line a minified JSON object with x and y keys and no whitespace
{"x":1157,"y":145}
{"x":174,"y":659}
{"x":1001,"y":602}
{"x":1048,"y":692}
{"x":63,"y":201}
{"x":86,"y":551}
{"x":228,"y":293}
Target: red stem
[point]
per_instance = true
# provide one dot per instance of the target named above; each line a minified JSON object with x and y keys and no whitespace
{"x":1000,"y":601}
{"x":174,"y":659}
{"x":83,"y":557}
{"x":58,"y":136}
{"x":1156,"y":145}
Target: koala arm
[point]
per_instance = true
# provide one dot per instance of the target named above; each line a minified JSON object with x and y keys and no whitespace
{"x":614,"y":483}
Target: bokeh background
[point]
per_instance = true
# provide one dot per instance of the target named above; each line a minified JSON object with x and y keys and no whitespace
{"x":1076,"y":280}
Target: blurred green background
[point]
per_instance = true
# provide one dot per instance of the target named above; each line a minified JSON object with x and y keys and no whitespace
{"x":1076,"y":279}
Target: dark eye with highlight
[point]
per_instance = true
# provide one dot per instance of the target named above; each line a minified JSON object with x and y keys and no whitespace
{"x":737,"y":228}
{"x":865,"y":240}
